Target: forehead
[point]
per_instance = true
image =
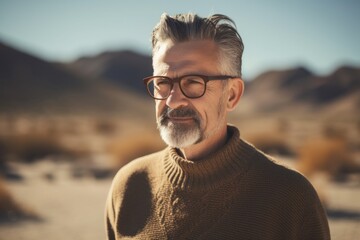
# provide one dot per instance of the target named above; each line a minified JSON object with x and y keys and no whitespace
{"x":200,"y":56}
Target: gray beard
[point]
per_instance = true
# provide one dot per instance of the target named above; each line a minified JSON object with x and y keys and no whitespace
{"x":180,"y":135}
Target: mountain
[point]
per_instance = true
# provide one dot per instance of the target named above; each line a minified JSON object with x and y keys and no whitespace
{"x":275,"y":91}
{"x":341,"y":83}
{"x":299,"y":90}
{"x":111,"y":82}
{"x":125,"y":69}
{"x":32,"y":85}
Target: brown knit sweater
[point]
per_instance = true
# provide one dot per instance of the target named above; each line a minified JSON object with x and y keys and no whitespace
{"x":237,"y":193}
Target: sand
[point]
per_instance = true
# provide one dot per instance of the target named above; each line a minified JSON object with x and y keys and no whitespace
{"x":69,"y":208}
{"x":72,"y":208}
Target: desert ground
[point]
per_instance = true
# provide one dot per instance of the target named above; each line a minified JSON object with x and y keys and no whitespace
{"x":63,"y":190}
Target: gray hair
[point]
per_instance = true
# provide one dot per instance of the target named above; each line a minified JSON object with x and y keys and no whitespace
{"x":218,"y":28}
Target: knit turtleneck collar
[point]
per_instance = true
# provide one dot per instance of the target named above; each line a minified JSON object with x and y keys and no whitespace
{"x":232,"y":159}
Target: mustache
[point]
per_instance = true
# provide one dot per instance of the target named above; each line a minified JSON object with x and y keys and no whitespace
{"x":178,"y":112}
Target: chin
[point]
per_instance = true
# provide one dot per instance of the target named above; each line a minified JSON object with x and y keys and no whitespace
{"x":180,"y":139}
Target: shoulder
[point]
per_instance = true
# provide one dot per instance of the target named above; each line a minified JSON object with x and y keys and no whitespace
{"x":140,"y":169}
{"x":272,"y":173}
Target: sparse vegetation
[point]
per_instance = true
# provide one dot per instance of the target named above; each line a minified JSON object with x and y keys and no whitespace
{"x":130,"y":147}
{"x":270,"y":143}
{"x":2,"y":153}
{"x":328,"y":155}
{"x":105,"y":127}
{"x":330,"y":131}
{"x":31,"y":147}
{"x":283,"y":125}
{"x":11,"y":210}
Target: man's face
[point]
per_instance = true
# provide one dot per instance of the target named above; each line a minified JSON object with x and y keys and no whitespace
{"x":182,"y":121}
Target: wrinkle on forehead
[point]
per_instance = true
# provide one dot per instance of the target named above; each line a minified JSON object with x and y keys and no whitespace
{"x":164,"y":68}
{"x":189,"y":57}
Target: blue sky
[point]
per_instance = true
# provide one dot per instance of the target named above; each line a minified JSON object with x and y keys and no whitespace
{"x":318,"y":34}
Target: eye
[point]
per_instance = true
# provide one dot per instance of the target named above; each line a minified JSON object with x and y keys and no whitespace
{"x":161,"y":81}
{"x":193,"y":80}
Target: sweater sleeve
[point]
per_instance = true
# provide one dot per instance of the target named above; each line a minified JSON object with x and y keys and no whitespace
{"x":315,"y":224}
{"x":110,"y":217}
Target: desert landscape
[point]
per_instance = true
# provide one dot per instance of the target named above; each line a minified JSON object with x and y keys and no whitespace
{"x":66,"y":128}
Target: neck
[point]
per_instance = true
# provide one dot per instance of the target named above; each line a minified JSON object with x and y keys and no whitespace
{"x":207,"y":146}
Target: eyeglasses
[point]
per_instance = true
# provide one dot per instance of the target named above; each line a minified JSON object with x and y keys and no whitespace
{"x":192,"y":86}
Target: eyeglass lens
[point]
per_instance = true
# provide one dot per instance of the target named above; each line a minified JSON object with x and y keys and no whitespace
{"x":191,"y":86}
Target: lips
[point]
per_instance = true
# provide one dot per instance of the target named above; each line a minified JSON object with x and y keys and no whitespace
{"x":181,"y":119}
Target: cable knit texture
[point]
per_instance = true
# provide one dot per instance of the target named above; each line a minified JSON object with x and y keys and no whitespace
{"x":236,"y":193}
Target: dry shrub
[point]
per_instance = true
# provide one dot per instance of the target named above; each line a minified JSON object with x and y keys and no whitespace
{"x":328,"y":155}
{"x":105,"y":127}
{"x":331,"y":131}
{"x":11,"y":210}
{"x":33,"y":146}
{"x":2,"y":152}
{"x":130,"y":147}
{"x":270,"y":143}
{"x":283,"y":125}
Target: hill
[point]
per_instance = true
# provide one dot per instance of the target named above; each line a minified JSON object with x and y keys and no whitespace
{"x":112,"y":82}
{"x":300,"y":91}
{"x":32,"y":85}
{"x":277,"y":91}
{"x":125,"y":69}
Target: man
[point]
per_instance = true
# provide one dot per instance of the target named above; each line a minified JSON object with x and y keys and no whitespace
{"x":208,"y":183}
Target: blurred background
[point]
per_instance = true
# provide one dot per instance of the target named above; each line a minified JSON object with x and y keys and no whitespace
{"x":73,"y":109}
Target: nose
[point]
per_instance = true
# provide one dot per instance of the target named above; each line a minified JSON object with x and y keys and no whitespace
{"x":176,"y":98}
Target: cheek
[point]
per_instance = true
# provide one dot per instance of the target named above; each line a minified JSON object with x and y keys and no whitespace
{"x":159,"y":106}
{"x":202,"y":110}
{"x":214,"y":110}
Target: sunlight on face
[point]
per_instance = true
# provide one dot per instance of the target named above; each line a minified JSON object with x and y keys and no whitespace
{"x":182,"y":121}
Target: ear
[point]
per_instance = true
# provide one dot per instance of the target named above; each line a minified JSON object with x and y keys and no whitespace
{"x":236,"y":90}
